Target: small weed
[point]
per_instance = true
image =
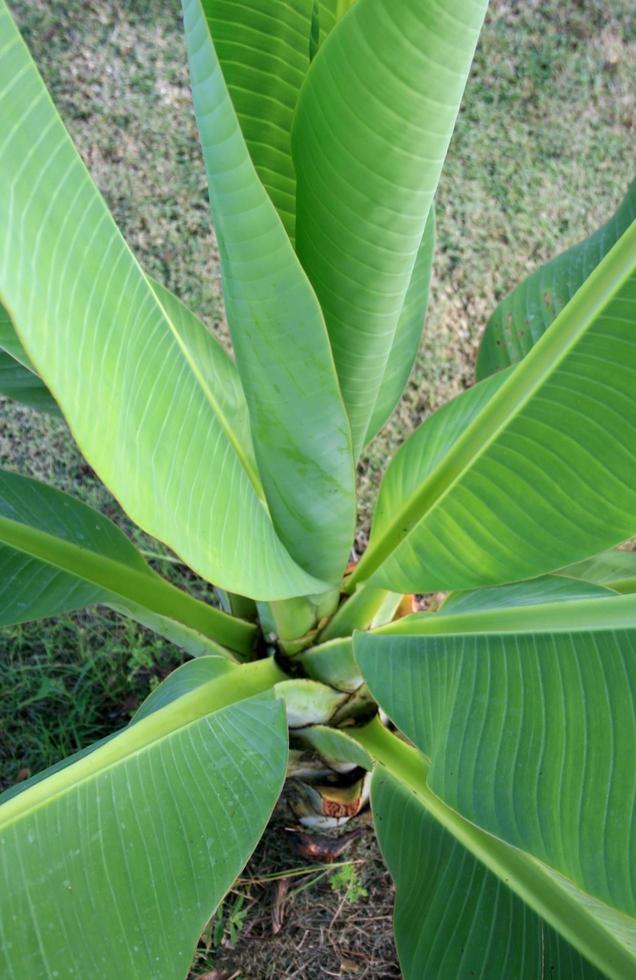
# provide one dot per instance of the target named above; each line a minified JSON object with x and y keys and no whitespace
{"x":346,"y":881}
{"x":222,"y":931}
{"x":233,"y":918}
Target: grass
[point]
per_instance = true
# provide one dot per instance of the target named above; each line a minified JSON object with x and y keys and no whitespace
{"x":66,"y":685}
{"x":542,"y":153}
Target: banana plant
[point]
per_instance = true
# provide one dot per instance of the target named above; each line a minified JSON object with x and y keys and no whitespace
{"x":496,"y":734}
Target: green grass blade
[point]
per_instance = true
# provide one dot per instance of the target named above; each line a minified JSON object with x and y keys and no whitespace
{"x":299,"y":424}
{"x":542,"y":475}
{"x":373,"y":123}
{"x":182,"y":681}
{"x":140,"y":412}
{"x":527,"y":312}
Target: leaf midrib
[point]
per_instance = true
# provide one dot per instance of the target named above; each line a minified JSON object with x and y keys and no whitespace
{"x":214,"y":695}
{"x":116,"y":577}
{"x":616,"y":612}
{"x":518,"y":870}
{"x":30,"y":66}
{"x":208,"y":392}
{"x":572,"y":323}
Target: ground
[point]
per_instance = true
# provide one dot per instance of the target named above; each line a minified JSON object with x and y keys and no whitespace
{"x":542,"y":153}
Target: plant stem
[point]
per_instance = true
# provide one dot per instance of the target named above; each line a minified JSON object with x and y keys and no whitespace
{"x":294,"y":621}
{"x":237,"y":605}
{"x":404,"y":761}
{"x":356,"y":612}
{"x":288,"y":619}
{"x":142,"y":586}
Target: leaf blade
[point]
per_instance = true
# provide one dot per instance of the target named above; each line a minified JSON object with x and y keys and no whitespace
{"x":453,"y":917}
{"x":528,"y":728}
{"x":546,"y":589}
{"x":613,"y":569}
{"x":18,"y":377}
{"x":139,"y":414}
{"x":408,"y":333}
{"x":22,"y":385}
{"x":299,"y":424}
{"x":10,"y":342}
{"x":372,"y":127}
{"x":57,"y":555}
{"x":527,"y":488}
{"x":163,"y":819}
{"x":264,"y":53}
{"x":527,"y":312}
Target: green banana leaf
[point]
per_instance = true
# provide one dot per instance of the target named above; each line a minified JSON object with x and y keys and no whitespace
{"x":426,"y":449}
{"x":527,"y":312}
{"x":547,"y":588}
{"x":113,"y":865}
{"x":527,"y":715}
{"x":453,"y":916}
{"x":216,"y":372}
{"x":184,"y":680}
{"x":604,"y":936}
{"x":367,"y":607}
{"x":57,"y":554}
{"x":333,"y":663}
{"x":188,"y":638}
{"x":520,"y":616}
{"x":299,"y":424}
{"x":22,"y":385}
{"x":408,"y":333}
{"x":506,"y":483}
{"x":329,"y":13}
{"x":263,"y":50}
{"x":18,"y":379}
{"x":335,"y":747}
{"x":372,"y":126}
{"x":10,"y":342}
{"x":127,"y":376}
{"x":613,"y":569}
